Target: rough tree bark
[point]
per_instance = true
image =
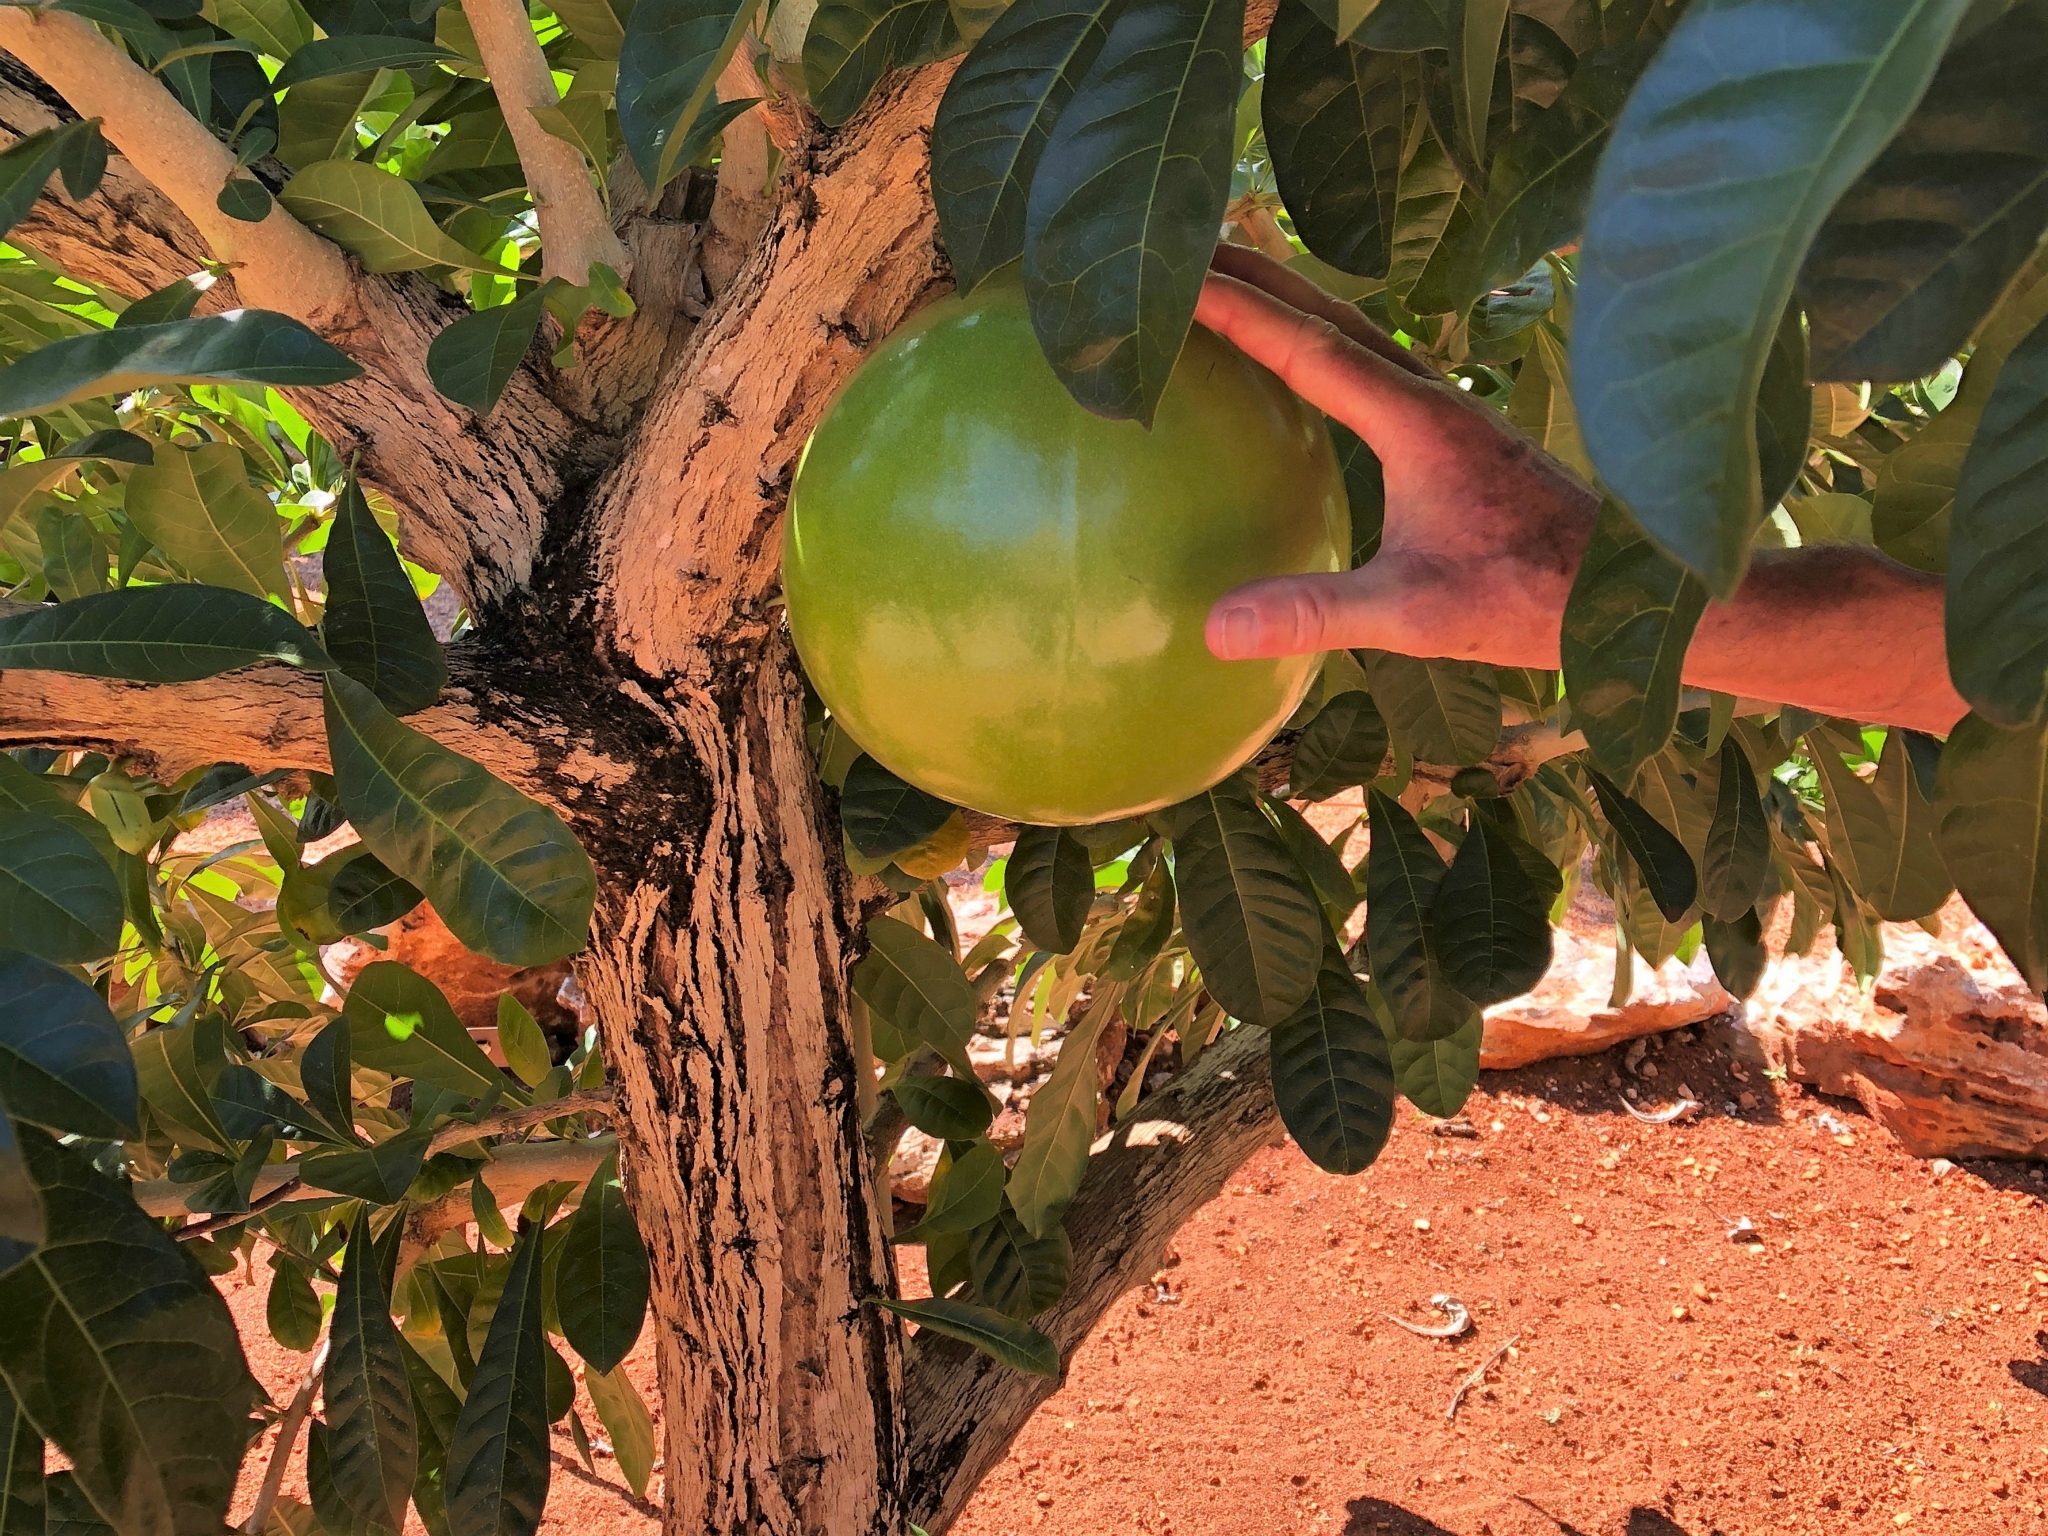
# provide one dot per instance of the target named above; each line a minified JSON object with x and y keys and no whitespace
{"x":617,"y":530}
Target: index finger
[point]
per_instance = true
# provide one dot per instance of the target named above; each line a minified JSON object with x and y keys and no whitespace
{"x":1291,"y":288}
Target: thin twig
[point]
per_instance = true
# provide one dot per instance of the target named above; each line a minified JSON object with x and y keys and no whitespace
{"x":220,"y":1223}
{"x":594,"y":1101}
{"x":287,"y":1436}
{"x":1477,"y":1377}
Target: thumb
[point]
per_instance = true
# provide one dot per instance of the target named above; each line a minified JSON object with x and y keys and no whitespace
{"x":1296,"y":615}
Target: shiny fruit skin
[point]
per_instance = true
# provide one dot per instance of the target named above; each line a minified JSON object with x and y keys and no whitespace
{"x":1001,"y":597}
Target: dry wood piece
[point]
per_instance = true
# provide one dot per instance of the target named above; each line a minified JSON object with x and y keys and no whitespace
{"x":1458,"y":1397}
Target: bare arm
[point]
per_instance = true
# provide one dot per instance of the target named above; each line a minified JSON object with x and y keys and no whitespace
{"x":1484,"y":532}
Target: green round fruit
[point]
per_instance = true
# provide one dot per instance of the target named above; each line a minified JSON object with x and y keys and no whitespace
{"x":1001,"y":597}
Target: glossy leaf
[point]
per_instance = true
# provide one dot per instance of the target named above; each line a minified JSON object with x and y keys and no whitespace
{"x":1058,"y":1130}
{"x":1403,"y":876}
{"x":375,"y":216}
{"x":1003,"y":1338}
{"x":64,"y":1063}
{"x":374,"y":626}
{"x":1049,"y":883}
{"x":58,"y":898}
{"x":1345,"y":745}
{"x":1917,"y":249}
{"x":1015,"y":1273}
{"x":994,"y":120}
{"x":883,"y":815}
{"x":1127,"y":199}
{"x":175,"y":634}
{"x":1630,"y":616}
{"x":852,"y":44}
{"x":913,"y":983}
{"x":1437,"y":1076}
{"x":1332,"y":1077}
{"x":1881,"y":831}
{"x":945,"y":1107}
{"x":242,"y":346}
{"x":365,"y":895}
{"x":1492,"y":921}
{"x":197,"y":506}
{"x":119,"y":1350}
{"x":347,"y":55}
{"x":473,"y":360}
{"x":498,"y":1459}
{"x":1334,"y":116}
{"x":1440,"y":711}
{"x":1736,"y":951}
{"x":601,"y":1278}
{"x":506,"y":876}
{"x":1738,"y":848}
{"x":372,"y":1443}
{"x":1249,"y":915}
{"x":1661,"y":859}
{"x":1749,"y":124}
{"x":400,"y":1023}
{"x":26,"y":168}
{"x":1916,"y":483}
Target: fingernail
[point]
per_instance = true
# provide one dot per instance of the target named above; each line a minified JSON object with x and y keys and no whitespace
{"x":1237,"y":632}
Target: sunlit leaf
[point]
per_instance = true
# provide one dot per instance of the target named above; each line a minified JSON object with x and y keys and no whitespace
{"x":373,"y":215}
{"x":198,"y":507}
{"x":175,"y":634}
{"x":400,"y":1023}
{"x":242,"y":346}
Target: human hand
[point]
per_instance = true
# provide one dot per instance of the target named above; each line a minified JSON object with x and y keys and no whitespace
{"x":1484,"y":530}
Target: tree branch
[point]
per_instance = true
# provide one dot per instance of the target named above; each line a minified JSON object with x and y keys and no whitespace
{"x":598,"y":1101}
{"x":280,"y":264}
{"x":1153,"y":1173}
{"x":574,"y":229}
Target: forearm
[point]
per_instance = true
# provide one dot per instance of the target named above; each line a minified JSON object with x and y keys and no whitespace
{"x":1839,"y":630}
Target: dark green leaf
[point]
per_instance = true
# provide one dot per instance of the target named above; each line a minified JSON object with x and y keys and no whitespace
{"x":64,"y":1064}
{"x":1881,"y":832}
{"x":67,"y":1511}
{"x":1059,"y":1127}
{"x":1334,"y":116}
{"x":1403,"y":876}
{"x":1332,"y":1076}
{"x":374,"y":627}
{"x":969,"y":1193}
{"x":1437,"y":249}
{"x":506,"y":876}
{"x":400,"y":1023}
{"x":992,"y":124}
{"x":1997,"y":608}
{"x":1492,"y":921}
{"x":1251,"y":920}
{"x":325,"y":57}
{"x":374,"y":215}
{"x":372,"y":1446}
{"x":1784,"y":412}
{"x":1404,"y":26}
{"x":26,"y":168}
{"x":1001,"y":1338}
{"x":330,"y":1515}
{"x":292,"y":1309}
{"x":1917,"y":250}
{"x":325,"y":1070}
{"x":884,"y":816}
{"x":242,"y":346}
{"x":1049,"y":883}
{"x":473,"y":360}
{"x":851,"y":44}
{"x":1738,"y":849}
{"x":1477,"y":27}
{"x":1324,"y":866}
{"x":915,"y":985}
{"x":1440,"y":711}
{"x":669,"y":61}
{"x":175,"y":634}
{"x":945,"y":1107}
{"x":122,"y":1353}
{"x":1749,"y":124}
{"x":1437,"y":1076}
{"x":1127,"y":200}
{"x":21,"y":1473}
{"x":1365,"y":485}
{"x":498,"y":1459}
{"x":58,"y":898}
{"x":366,"y":895}
{"x":1015,"y":1273}
{"x":1659,"y":856}
{"x":1145,"y":931}
{"x":176,"y":1067}
{"x":197,"y":506}
{"x":22,"y":1226}
{"x":1345,"y":745}
{"x":601,"y":1278}
{"x":1737,"y":951}
{"x":175,"y":301}
{"x":373,"y":18}
{"x":379,"y":1174}
{"x":1630,"y":616}
{"x":244,"y":199}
